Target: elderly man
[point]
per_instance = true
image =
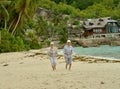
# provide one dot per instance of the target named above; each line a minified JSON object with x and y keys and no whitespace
{"x":68,"y":50}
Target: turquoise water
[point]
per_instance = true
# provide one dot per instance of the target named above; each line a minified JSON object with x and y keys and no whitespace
{"x":109,"y":52}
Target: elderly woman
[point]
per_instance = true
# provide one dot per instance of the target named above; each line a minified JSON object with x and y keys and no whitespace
{"x":52,"y":52}
{"x":68,"y":51}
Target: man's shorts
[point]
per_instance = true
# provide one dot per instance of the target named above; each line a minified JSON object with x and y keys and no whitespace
{"x":68,"y":59}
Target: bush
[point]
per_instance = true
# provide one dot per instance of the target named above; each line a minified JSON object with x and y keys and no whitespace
{"x":75,"y":22}
{"x":35,"y":46}
{"x":10,"y":43}
{"x":32,"y":45}
{"x":63,"y":34}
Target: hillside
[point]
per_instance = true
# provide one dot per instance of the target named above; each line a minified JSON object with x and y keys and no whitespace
{"x":19,"y":31}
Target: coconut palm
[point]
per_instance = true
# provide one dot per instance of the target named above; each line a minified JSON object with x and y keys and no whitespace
{"x":20,"y":10}
{"x":63,"y":33}
{"x":42,"y":28}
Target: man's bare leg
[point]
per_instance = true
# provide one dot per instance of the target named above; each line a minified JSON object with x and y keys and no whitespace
{"x":70,"y":66}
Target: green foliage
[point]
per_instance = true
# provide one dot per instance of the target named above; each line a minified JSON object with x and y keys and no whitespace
{"x":10,"y":43}
{"x":75,"y":22}
{"x":90,"y":8}
{"x":116,"y":14}
{"x":30,"y":34}
{"x":46,"y":43}
{"x":77,"y":28}
{"x":42,"y":28}
{"x":32,"y":45}
{"x":81,"y":4}
{"x":60,"y":8}
{"x":35,"y":45}
{"x":63,"y":33}
{"x":97,"y":11}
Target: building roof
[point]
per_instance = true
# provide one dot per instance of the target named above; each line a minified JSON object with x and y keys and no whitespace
{"x":97,"y":23}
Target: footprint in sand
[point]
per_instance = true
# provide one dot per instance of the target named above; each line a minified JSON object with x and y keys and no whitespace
{"x":66,"y":82}
{"x":79,"y":82}
{"x":5,"y":64}
{"x":71,"y":86}
{"x":21,"y":63}
{"x":102,"y":82}
{"x":58,"y":80}
{"x":83,"y":87}
{"x":45,"y":83}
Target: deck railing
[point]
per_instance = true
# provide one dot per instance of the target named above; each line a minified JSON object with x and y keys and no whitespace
{"x":116,"y":35}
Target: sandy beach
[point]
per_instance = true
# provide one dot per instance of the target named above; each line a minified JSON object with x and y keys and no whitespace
{"x":32,"y":70}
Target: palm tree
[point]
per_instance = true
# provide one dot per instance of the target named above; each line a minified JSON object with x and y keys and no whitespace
{"x":20,"y":9}
{"x":42,"y":28}
{"x":63,"y":33}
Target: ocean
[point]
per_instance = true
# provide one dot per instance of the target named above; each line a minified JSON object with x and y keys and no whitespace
{"x":104,"y":51}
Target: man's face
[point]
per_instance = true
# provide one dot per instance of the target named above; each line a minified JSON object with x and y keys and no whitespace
{"x":68,"y":43}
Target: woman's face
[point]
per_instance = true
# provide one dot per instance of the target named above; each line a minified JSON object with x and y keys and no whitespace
{"x":51,"y":45}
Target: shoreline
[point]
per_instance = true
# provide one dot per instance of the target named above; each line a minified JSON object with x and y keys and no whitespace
{"x":93,"y":59}
{"x":98,"y":57}
{"x":43,"y":53}
{"x":103,"y":52}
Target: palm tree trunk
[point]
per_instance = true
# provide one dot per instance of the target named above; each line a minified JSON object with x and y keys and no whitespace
{"x":11,"y":25}
{"x":19,"y":17}
{"x":7,"y":16}
{"x":5,"y":27}
{"x":0,"y":37}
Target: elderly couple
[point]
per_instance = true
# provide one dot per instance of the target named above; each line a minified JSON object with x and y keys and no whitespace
{"x":68,"y":50}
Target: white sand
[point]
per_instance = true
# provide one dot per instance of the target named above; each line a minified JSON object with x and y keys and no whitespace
{"x":24,"y":72}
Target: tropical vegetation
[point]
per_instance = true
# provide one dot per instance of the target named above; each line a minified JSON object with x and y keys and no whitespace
{"x":19,"y":31}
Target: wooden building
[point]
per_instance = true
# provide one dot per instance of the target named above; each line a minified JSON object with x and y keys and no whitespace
{"x":102,"y":27}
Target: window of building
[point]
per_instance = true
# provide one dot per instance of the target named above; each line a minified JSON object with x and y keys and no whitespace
{"x":112,"y":27}
{"x":99,"y":24}
{"x":97,"y":30}
{"x":90,"y":23}
{"x":101,"y":19}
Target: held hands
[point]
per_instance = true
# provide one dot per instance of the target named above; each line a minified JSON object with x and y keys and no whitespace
{"x":53,"y":54}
